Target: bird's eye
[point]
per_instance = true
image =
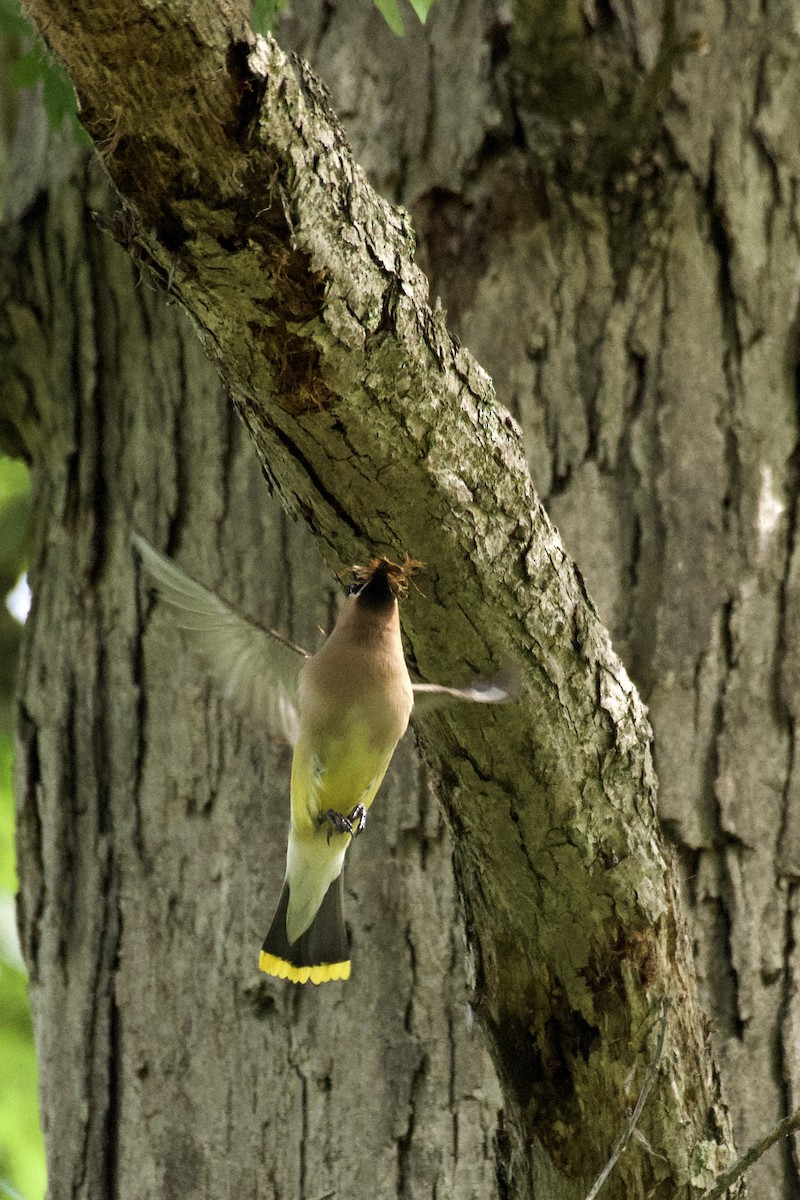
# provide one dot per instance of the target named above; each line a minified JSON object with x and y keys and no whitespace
{"x":354,"y":589}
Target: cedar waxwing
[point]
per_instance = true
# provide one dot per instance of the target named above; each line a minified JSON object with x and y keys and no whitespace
{"x":345,"y":708}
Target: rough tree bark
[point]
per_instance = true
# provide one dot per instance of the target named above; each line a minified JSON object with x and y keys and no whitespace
{"x":587,"y":1005}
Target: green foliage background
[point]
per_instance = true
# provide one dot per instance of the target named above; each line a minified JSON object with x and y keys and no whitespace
{"x":22,"y":1169}
{"x":266,"y":12}
{"x":29,"y":64}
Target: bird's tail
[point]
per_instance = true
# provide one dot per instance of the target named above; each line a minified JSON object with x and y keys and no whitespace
{"x":320,"y":953}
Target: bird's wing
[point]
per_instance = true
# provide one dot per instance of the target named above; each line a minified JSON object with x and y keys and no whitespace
{"x":256,"y":668}
{"x":500,"y":688}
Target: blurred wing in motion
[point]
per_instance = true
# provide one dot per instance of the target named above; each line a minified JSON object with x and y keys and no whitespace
{"x":256,"y":668}
{"x":497,"y":690}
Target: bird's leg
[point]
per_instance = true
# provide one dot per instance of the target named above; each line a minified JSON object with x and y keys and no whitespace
{"x":337,"y":822}
{"x":358,"y":819}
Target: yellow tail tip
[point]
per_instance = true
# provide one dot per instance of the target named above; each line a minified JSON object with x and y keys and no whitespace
{"x":270,"y":964}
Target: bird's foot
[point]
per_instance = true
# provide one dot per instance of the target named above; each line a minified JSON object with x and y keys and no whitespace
{"x":339,"y":823}
{"x":358,"y":820}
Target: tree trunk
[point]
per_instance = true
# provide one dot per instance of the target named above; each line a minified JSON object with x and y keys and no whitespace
{"x":622,"y":307}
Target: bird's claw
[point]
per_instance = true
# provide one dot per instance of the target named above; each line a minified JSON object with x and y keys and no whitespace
{"x":339,"y":823}
{"x":358,"y":820}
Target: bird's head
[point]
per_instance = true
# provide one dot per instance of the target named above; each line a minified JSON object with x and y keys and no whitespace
{"x":382,"y":581}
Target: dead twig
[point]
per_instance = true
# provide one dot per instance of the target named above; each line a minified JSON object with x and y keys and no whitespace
{"x":788,"y":1125}
{"x":630,"y":1125}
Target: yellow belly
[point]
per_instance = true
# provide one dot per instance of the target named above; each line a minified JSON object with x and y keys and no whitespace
{"x":335,"y":773}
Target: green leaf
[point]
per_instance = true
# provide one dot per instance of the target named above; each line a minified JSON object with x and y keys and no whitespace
{"x":15,"y":520}
{"x":22,"y":1169}
{"x":26,"y":71}
{"x":21,"y":1153}
{"x":265,"y":13}
{"x":58,"y":96}
{"x":422,"y":8}
{"x":37,"y":64}
{"x":391,"y":14}
{"x":79,"y":134}
{"x":12,"y":22}
{"x":14,"y":478}
{"x":393,"y":17}
{"x":8,"y":874}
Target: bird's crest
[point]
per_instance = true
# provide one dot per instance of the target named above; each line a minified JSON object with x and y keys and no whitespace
{"x":398,"y":575}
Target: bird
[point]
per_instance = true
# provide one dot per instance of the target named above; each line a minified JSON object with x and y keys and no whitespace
{"x":344,"y":709}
